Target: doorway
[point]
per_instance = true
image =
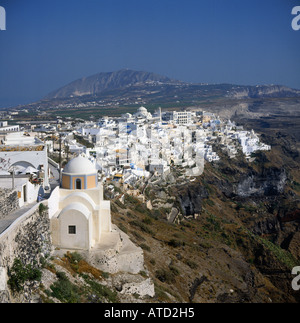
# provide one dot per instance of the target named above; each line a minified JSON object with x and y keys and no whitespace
{"x":78,"y":184}
{"x":24,"y":193}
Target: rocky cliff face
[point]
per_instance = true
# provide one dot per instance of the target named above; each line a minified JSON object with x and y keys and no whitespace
{"x":262,"y":91}
{"x":269,"y":183}
{"x":191,"y":199}
{"x":260,"y":200}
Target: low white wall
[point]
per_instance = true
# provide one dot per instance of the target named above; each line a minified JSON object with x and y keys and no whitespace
{"x":53,"y":202}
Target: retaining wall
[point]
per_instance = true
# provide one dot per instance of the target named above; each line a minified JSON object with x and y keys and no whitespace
{"x":27,"y":239}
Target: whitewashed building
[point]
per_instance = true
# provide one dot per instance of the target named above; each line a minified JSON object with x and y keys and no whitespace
{"x":20,"y":150}
{"x":82,"y":214}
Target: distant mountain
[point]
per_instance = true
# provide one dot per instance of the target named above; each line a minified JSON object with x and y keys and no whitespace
{"x":128,"y":84}
{"x":102,"y":82}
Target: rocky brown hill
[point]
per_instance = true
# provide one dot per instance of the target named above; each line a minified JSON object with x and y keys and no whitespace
{"x":236,"y":236}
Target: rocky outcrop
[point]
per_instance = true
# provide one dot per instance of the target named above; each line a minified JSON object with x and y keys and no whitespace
{"x":117,"y":254}
{"x":129,"y":284}
{"x":190,"y":198}
{"x":269,"y":182}
{"x":291,"y":240}
{"x":267,"y":225}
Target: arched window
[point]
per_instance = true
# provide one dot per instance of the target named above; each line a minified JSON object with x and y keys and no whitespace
{"x":78,"y":184}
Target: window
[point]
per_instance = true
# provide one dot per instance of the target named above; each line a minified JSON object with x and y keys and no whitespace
{"x":72,"y":229}
{"x":78,"y":184}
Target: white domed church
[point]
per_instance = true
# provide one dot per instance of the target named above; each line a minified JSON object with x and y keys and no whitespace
{"x":83,"y":214}
{"x":80,"y":219}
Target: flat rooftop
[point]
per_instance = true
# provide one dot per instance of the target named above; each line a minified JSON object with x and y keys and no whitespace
{"x":6,"y":182}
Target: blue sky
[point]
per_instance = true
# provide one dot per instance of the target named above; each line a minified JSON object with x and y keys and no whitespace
{"x":49,"y":43}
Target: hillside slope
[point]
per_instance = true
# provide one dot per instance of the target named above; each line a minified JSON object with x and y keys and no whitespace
{"x":242,"y":243}
{"x":235,"y":238}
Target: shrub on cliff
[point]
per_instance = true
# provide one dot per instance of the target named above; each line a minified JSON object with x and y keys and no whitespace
{"x":19,"y":274}
{"x":42,"y":208}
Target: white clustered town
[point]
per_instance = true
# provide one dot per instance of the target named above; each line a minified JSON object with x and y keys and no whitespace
{"x":134,"y":146}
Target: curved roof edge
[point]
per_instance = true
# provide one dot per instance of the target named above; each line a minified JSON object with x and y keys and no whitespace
{"x":77,"y":207}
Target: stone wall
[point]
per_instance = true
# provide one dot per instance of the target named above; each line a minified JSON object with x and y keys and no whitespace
{"x":28,"y":239}
{"x":9,"y":201}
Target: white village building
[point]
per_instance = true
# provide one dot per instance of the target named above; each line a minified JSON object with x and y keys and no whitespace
{"x":82,"y":214}
{"x":143,"y":113}
{"x":80,"y":219}
{"x":19,"y":151}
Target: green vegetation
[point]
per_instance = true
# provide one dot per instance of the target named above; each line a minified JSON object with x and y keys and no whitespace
{"x":90,"y":291}
{"x":296,"y":186}
{"x":145,"y":247}
{"x":191,"y":264}
{"x":19,"y":274}
{"x":100,"y":292}
{"x":282,"y":255}
{"x":122,"y":227}
{"x":42,"y":208}
{"x":176,"y":243}
{"x":165,"y":276}
{"x":64,"y":290}
{"x":145,"y":228}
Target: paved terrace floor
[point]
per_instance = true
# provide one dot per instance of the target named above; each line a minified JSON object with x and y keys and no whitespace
{"x":10,"y":218}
